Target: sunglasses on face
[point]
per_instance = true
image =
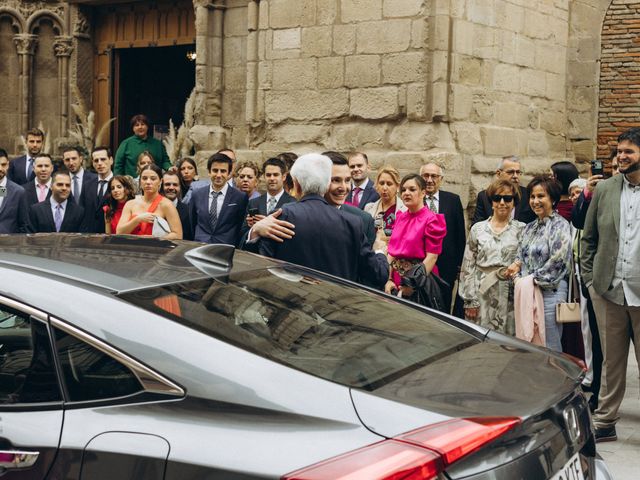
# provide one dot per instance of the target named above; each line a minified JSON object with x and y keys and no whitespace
{"x":498,"y":198}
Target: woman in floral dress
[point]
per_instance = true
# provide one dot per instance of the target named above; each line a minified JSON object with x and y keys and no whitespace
{"x":491,"y":247}
{"x":545,"y":252}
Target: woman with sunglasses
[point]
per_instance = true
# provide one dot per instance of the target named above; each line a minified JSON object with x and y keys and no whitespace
{"x":491,"y":247}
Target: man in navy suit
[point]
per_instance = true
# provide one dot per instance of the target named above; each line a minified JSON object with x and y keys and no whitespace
{"x":317,"y":235}
{"x":217,"y":212}
{"x":21,"y":168}
{"x":59,"y":213}
{"x":275,"y":172}
{"x":453,"y":245}
{"x":95,"y":189}
{"x":14,"y":210}
{"x":39,"y":189}
{"x":80,"y":177}
{"x":171,"y":190}
{"x":362,"y":188}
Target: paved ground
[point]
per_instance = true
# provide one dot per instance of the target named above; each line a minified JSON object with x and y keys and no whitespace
{"x":623,"y":456}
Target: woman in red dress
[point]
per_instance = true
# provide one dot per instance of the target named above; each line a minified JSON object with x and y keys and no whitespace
{"x":139,"y":214}
{"x":121,"y":190}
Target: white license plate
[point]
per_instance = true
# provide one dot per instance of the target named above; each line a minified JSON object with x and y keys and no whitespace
{"x":572,"y":470}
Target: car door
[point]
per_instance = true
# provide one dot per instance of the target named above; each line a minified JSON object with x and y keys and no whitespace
{"x":31,"y":407}
{"x":110,"y":430}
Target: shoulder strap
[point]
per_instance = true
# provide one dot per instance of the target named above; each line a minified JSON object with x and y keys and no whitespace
{"x":155,"y":203}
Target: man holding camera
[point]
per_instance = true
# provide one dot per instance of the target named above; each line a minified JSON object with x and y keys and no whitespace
{"x":275,"y":172}
{"x":610,"y":264}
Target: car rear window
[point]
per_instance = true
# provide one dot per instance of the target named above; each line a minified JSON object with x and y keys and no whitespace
{"x":340,"y":333}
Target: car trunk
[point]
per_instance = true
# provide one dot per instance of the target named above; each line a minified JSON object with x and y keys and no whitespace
{"x":488,"y":379}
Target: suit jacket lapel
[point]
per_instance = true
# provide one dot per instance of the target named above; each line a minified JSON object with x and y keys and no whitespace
{"x":283,"y":198}
{"x":615,"y":201}
{"x":49,"y":215}
{"x":7,"y":198}
{"x":223,"y":210}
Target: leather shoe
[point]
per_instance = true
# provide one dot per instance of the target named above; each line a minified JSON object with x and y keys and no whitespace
{"x":605,"y":434}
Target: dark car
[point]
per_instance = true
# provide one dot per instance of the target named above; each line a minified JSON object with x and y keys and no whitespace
{"x":137,"y":358}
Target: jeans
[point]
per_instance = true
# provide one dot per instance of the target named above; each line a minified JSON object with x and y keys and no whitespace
{"x":553,"y":330}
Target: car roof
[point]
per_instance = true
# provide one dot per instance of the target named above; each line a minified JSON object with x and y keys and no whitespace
{"x":122,"y":262}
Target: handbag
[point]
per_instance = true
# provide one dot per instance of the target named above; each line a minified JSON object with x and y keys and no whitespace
{"x":569,"y":311}
{"x":160,"y":227}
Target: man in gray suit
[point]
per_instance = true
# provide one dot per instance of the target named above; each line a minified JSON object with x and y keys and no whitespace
{"x":14,"y":210}
{"x":611,"y":270}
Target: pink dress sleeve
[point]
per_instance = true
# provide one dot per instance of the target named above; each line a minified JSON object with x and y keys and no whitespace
{"x":434,"y":232}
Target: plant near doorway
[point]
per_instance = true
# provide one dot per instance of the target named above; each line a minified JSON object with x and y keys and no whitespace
{"x":177,"y":142}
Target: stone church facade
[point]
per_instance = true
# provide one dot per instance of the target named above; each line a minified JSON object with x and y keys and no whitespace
{"x":458,"y":82}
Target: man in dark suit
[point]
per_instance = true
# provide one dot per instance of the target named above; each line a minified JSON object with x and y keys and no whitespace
{"x":39,"y":189}
{"x":340,"y":187}
{"x":454,"y":242}
{"x":80,"y":177}
{"x":217,"y":212}
{"x":362,"y":188}
{"x":317,"y":235}
{"x":14,"y":209}
{"x":171,"y":190}
{"x":58,"y":214}
{"x":94,"y":190}
{"x":508,"y":169}
{"x":275,"y":172}
{"x":21,"y":168}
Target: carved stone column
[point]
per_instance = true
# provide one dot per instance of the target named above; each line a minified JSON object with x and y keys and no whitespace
{"x":26,"y":45}
{"x":63,"y":47}
{"x":253,"y":14}
{"x":208,"y":134}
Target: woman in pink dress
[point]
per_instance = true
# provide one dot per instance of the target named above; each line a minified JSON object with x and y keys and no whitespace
{"x":417,"y":235}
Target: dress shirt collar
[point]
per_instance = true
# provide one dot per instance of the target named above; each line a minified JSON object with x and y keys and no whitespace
{"x":223,"y":191}
{"x":362,"y":186}
{"x":54,"y":204}
{"x":436,"y":196}
{"x":277,"y":196}
{"x":628,"y":184}
{"x":48,"y":184}
{"x":3,"y":182}
{"x":109,"y":177}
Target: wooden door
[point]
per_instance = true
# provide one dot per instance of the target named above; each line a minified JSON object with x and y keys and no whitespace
{"x":133,"y":25}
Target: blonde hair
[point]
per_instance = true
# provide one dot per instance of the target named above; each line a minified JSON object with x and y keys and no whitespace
{"x":392,"y":172}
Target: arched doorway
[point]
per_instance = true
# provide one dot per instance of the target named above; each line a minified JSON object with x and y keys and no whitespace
{"x":141,"y":63}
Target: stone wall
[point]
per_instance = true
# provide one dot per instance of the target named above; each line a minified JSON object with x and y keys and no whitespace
{"x":460,"y":82}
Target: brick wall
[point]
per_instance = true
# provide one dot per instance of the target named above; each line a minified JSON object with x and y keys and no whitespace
{"x":619,"y":74}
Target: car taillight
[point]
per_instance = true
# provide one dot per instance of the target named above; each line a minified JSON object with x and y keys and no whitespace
{"x":420,"y":454}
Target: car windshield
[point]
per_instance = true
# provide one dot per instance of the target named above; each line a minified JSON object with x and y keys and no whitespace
{"x":337,"y":332}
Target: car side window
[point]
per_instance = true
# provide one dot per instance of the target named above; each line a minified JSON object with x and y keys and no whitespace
{"x":90,"y":374}
{"x":27,"y":371}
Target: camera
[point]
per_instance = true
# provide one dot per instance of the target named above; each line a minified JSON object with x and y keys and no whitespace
{"x":597,"y":167}
{"x":253,"y":212}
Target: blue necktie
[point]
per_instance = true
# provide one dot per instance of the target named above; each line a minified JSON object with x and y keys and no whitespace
{"x":57,"y":218}
{"x":29,"y":167}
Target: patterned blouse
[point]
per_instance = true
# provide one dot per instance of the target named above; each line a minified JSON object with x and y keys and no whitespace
{"x":545,"y":250}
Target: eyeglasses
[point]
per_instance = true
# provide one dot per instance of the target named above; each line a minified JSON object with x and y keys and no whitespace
{"x":433,"y":176}
{"x":513,"y":172}
{"x":499,"y":198}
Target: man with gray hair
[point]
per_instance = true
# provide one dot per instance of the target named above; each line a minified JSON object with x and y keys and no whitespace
{"x":508,"y":169}
{"x":317,"y":235}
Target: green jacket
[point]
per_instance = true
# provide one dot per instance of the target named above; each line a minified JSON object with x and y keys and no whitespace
{"x":600,"y":236}
{"x":128,"y":151}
